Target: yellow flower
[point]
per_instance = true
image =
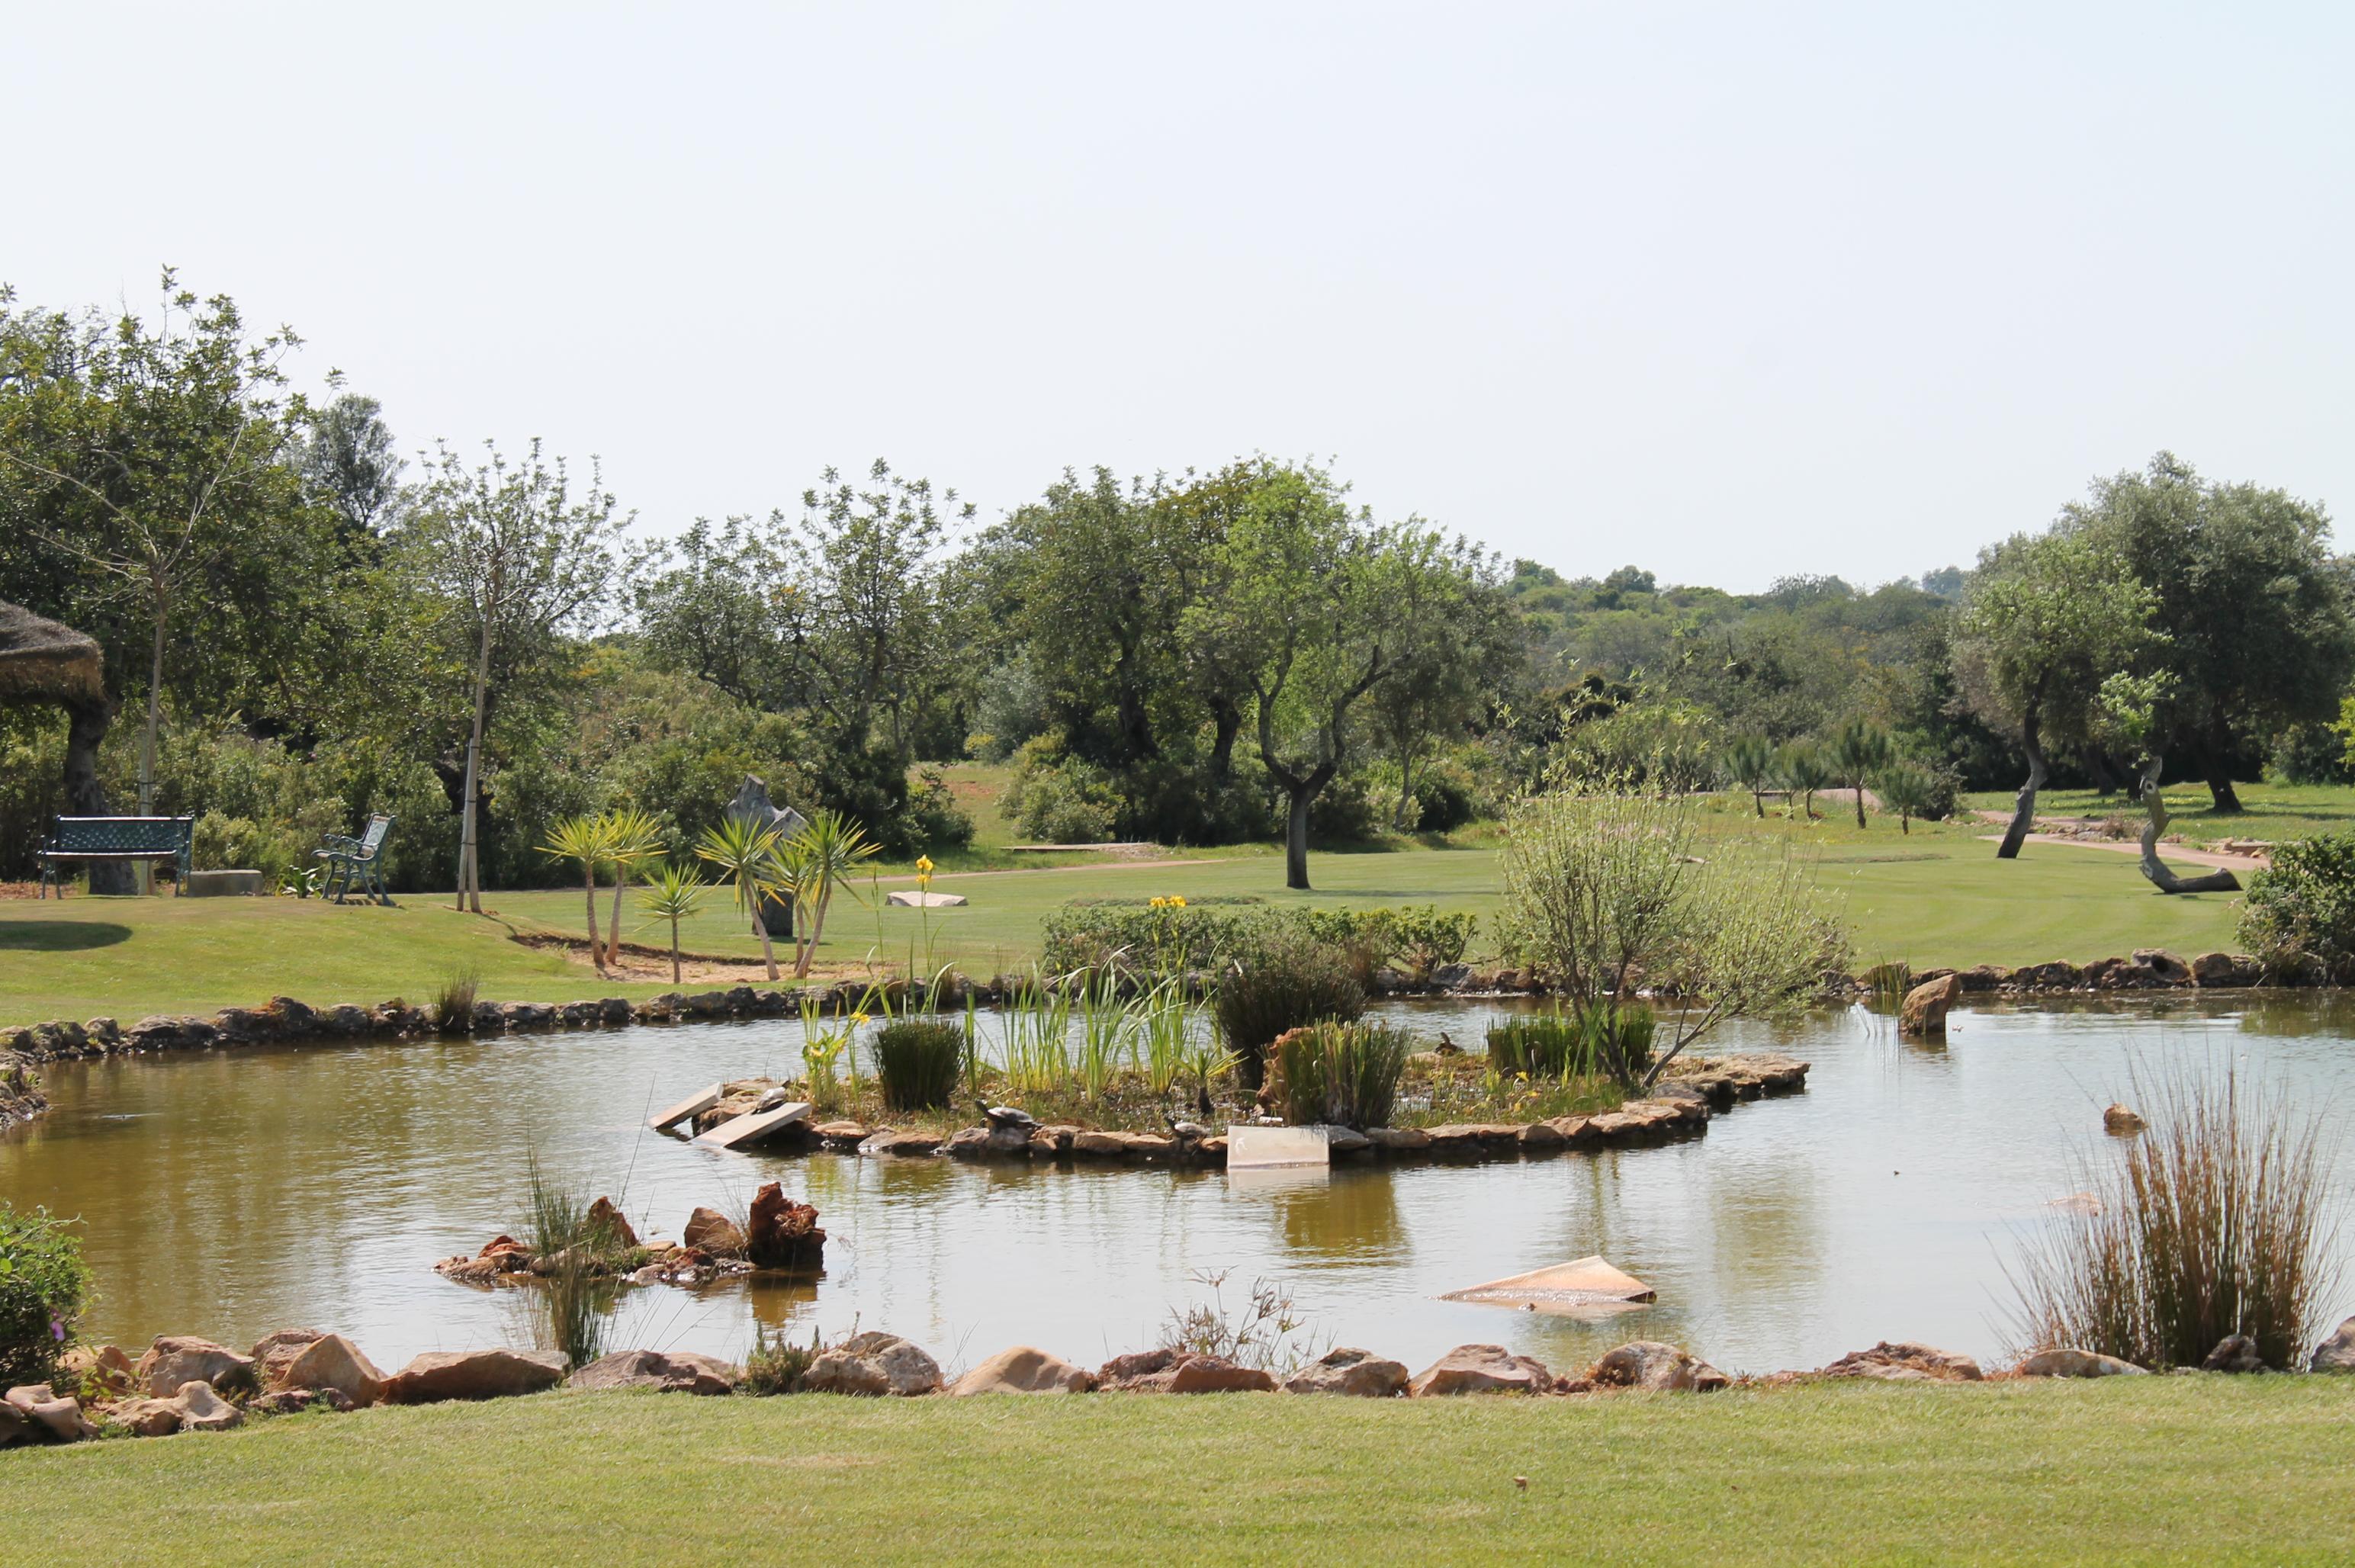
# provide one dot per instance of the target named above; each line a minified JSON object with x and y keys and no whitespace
{"x":1178,"y":899}
{"x":1159,"y":903}
{"x":858,"y":1017}
{"x":923,"y":871}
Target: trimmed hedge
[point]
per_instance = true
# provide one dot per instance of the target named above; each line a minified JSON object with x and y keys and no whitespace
{"x":1165,"y":936}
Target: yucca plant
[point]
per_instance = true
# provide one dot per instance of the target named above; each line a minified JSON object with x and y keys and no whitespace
{"x":824,"y":852}
{"x":632,"y":838}
{"x":747,"y":854}
{"x":675,"y":894}
{"x":582,"y":840}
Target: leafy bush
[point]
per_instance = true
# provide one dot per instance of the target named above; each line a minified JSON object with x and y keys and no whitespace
{"x":1428,"y":940}
{"x":1445,"y":801}
{"x":1156,"y":939}
{"x":776,"y":1366}
{"x":1345,"y":812}
{"x":44,"y":1286}
{"x":2214,"y":1220}
{"x":2301,"y":910}
{"x":1284,"y":978}
{"x":1341,"y":1072}
{"x":918,"y":1061}
{"x":1057,"y":798}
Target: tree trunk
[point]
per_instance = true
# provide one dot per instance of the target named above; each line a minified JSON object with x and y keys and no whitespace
{"x":2216,"y":769}
{"x":1406,"y":791}
{"x":1295,"y":836}
{"x":1859,"y":801}
{"x":1226,"y":723}
{"x":1758,"y":799}
{"x":2023,"y":811}
{"x":146,"y":869}
{"x":469,"y":876}
{"x":2097,"y":764}
{"x":596,"y":953}
{"x":614,"y":926}
{"x":2155,"y":869}
{"x":673,"y":950}
{"x":86,"y":727}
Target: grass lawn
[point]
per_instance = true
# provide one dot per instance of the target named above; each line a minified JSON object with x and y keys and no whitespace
{"x":1936,"y":896}
{"x":2147,"y":1469}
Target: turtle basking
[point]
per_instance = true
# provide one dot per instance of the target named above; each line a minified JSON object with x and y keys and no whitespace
{"x":1008,"y":1118}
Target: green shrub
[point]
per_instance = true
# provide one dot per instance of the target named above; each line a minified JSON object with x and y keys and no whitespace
{"x":1284,"y":978}
{"x":1057,"y":798}
{"x":1557,"y":1044}
{"x":1151,"y":940}
{"x":44,"y":1286}
{"x":918,"y":1062}
{"x":1341,"y":1072}
{"x":2302,"y":909}
{"x":776,"y":1365}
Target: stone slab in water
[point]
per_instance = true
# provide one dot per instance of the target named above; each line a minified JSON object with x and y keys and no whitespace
{"x":925,"y":900}
{"x":1261,"y":1147}
{"x":739,"y":1130}
{"x":693,"y":1106}
{"x":1584,"y":1286}
{"x":223,"y":884}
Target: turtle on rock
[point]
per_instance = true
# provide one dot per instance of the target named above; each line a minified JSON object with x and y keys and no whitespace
{"x":1186,"y":1132}
{"x":1008,"y":1118}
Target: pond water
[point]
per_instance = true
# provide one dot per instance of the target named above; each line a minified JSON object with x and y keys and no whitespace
{"x":229,"y":1193}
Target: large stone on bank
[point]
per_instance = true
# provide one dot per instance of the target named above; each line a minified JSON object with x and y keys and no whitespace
{"x":2336,"y":1354}
{"x":1923,"y":1014}
{"x":1025,"y":1370}
{"x":2234,"y":1353}
{"x":275,"y":1350}
{"x":1655,"y":1365}
{"x":202,"y":1410}
{"x":1357,"y":1373}
{"x":906,"y":1145}
{"x":440,"y":1375}
{"x":676,"y":1372}
{"x":2067,"y":1361}
{"x":104,"y":1366}
{"x":1481,"y":1368}
{"x":332,"y":1362}
{"x":874,"y":1364}
{"x":175,"y":1360}
{"x":1216,"y":1374}
{"x":2224,"y":970}
{"x":709,"y":1230}
{"x":1903,"y":1361}
{"x":42,"y":1410}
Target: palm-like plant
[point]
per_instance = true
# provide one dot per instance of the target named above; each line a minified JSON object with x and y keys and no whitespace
{"x":746,"y":853}
{"x":1858,"y":752}
{"x":1750,"y":761}
{"x":1804,"y":770}
{"x":1906,"y":788}
{"x":675,"y":894}
{"x":581,"y":839}
{"x":826,"y":850}
{"x":632,"y":837}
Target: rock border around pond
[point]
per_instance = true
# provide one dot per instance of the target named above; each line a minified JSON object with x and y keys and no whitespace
{"x":187,"y":1384}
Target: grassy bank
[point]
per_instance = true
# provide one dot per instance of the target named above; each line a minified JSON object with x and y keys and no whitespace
{"x":1933,"y":898}
{"x":2173,"y":1469}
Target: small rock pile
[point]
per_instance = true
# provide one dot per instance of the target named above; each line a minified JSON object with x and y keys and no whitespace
{"x":783,"y":1234}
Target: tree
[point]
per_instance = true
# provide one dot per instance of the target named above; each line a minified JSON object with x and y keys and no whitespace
{"x":1909,"y":789}
{"x":348,"y":463}
{"x":675,"y":894}
{"x":1857,"y":752}
{"x":1604,"y":892}
{"x":631,"y":836}
{"x":517,"y":560}
{"x":2251,"y":608}
{"x":748,"y":854}
{"x":1804,"y":770}
{"x":1750,"y":763}
{"x":709,"y":603}
{"x":822,"y":855}
{"x":148,"y":457}
{"x":585,"y":841}
{"x":1456,"y":642}
{"x":2048,"y":619}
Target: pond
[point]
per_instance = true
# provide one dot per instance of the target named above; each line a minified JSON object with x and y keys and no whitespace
{"x":229,"y":1193}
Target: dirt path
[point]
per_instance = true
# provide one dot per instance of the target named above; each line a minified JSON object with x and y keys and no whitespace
{"x":2166,"y":851}
{"x":939,"y":877}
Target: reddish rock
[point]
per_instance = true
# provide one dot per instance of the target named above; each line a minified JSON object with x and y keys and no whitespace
{"x":1924,"y":1015}
{"x":1359,"y":1373}
{"x":874,"y":1364}
{"x":474,"y":1374}
{"x":1481,"y":1368}
{"x":274,"y":1350}
{"x":678,"y":1371}
{"x":332,"y":1362}
{"x":1216,"y":1374}
{"x":1024,"y":1370}
{"x":604,"y":1219}
{"x":709,"y":1230}
{"x":1903,"y":1361}
{"x":783,"y":1234}
{"x":175,"y":1360}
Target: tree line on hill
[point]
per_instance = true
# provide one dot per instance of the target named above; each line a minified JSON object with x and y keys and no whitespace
{"x":302,"y":625}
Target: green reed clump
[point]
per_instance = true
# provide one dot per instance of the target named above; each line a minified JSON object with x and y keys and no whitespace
{"x":1342,"y":1072}
{"x":453,"y":1003}
{"x":1285,"y":980}
{"x":776,"y":1365}
{"x":1886,"y":984}
{"x":2216,"y":1219}
{"x":918,"y":1062}
{"x":1558,"y":1044}
{"x":575,"y":1252}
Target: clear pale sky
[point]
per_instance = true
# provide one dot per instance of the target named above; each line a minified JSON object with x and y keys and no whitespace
{"x":1727,"y":291}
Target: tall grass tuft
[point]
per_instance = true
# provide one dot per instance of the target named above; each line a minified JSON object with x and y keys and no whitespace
{"x":918,"y":1062}
{"x":1886,"y":984}
{"x":570,"y":1246}
{"x":2217,"y":1219}
{"x":1565,"y":1045}
{"x":453,"y":1004}
{"x":775,"y":1365}
{"x":1035,"y":1054}
{"x":1287,"y":980}
{"x":1342,"y":1072}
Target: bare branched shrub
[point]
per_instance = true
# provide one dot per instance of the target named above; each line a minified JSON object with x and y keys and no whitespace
{"x":1267,"y":1331}
{"x":2216,"y":1219}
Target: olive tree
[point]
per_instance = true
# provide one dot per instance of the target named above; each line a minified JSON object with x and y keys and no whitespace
{"x":1605,"y":895}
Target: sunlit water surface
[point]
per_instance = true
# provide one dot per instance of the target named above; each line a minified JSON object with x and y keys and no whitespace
{"x":229,"y":1193}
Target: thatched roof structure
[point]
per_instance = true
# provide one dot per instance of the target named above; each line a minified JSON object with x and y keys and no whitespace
{"x":41,"y":661}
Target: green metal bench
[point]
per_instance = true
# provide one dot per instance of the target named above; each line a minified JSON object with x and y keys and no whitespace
{"x":352,"y":862}
{"x":169,"y":838}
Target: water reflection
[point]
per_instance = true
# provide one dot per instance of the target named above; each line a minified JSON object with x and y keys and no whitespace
{"x":227,"y":1194}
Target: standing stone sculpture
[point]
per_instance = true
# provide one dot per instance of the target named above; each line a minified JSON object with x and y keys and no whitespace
{"x":752,"y":805}
{"x":43,"y":662}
